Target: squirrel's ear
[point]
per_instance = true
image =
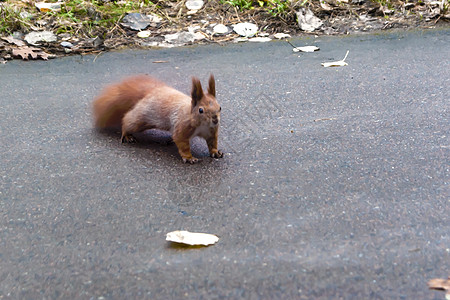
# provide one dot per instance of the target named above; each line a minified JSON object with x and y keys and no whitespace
{"x":197,"y":91}
{"x":212,"y":85}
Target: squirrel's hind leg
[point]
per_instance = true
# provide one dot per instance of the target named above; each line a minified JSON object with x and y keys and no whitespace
{"x":130,"y":125}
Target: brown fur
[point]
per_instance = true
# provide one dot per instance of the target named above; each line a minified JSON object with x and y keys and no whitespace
{"x":142,"y":102}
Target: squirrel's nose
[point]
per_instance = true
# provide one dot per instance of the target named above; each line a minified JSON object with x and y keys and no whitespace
{"x":215,"y":120}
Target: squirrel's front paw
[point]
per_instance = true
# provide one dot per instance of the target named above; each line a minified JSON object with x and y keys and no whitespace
{"x":216,"y":154}
{"x":128,"y":139}
{"x":191,"y":160}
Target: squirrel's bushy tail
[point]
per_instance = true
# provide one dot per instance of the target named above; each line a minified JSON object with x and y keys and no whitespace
{"x":116,"y":100}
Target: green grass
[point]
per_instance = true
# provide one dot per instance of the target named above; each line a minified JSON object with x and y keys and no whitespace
{"x":277,"y":8}
{"x":240,"y":4}
{"x":385,"y":3}
{"x":90,"y":14}
{"x":11,"y":20}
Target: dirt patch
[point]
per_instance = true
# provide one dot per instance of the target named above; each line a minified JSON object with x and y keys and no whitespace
{"x":31,"y":32}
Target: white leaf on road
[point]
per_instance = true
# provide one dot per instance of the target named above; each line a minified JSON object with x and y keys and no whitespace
{"x":339,"y":63}
{"x":191,"y":238}
{"x":305,"y":49}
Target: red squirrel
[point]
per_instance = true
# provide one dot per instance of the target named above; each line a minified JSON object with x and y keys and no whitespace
{"x":141,"y":102}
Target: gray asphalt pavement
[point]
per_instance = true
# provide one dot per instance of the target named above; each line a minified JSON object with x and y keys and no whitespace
{"x":334,"y":182}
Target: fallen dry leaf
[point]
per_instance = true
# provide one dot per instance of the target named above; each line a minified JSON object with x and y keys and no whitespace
{"x":191,"y":238}
{"x":14,"y":41}
{"x":441,"y":285}
{"x":47,"y":7}
{"x":339,"y":63}
{"x":245,"y":29}
{"x":26,"y":52}
{"x":281,"y":36}
{"x":260,"y":39}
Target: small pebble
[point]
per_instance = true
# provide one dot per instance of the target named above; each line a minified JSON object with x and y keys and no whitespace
{"x":66,"y":44}
{"x":194,"y":4}
{"x":144,"y":34}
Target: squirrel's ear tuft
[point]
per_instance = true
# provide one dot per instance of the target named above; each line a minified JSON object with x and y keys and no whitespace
{"x":197,"y":91}
{"x":212,"y":86}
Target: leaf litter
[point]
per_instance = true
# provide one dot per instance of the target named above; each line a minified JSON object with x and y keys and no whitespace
{"x":113,"y":24}
{"x":14,"y":41}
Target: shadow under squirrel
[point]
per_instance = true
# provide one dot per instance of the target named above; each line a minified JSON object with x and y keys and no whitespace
{"x":141,"y":102}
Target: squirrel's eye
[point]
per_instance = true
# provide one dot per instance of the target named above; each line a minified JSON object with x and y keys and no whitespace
{"x":200,"y":110}
{"x":220,"y":108}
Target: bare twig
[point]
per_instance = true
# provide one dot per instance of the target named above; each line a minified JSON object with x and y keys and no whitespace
{"x":116,"y":25}
{"x":95,"y":58}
